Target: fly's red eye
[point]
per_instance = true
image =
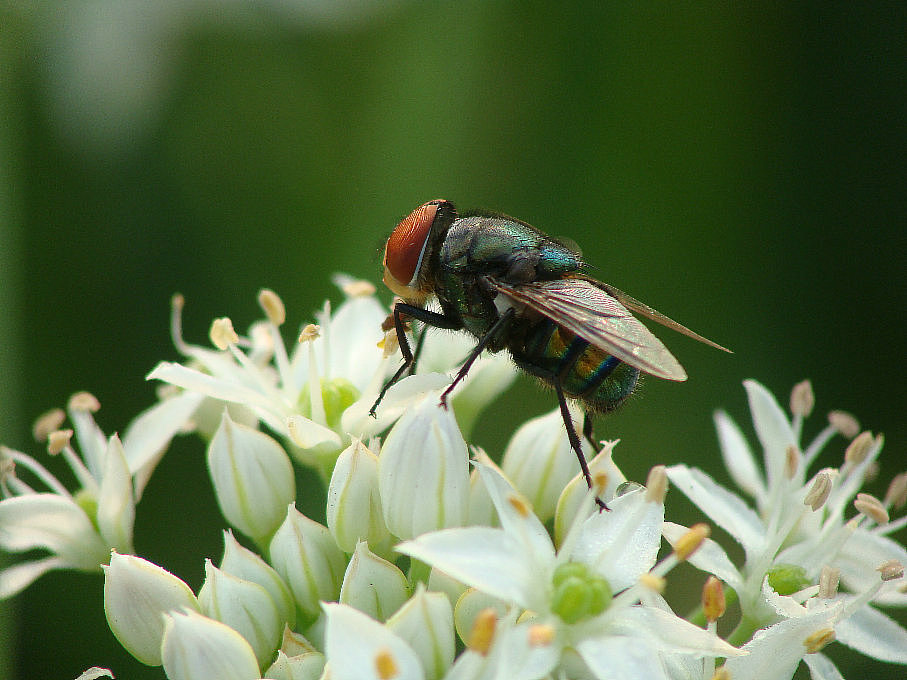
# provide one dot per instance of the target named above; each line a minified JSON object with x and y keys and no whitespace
{"x":406,"y":245}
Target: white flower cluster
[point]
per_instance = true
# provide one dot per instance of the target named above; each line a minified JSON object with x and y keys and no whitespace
{"x":436,"y":564}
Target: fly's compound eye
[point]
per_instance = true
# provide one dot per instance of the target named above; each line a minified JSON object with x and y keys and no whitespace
{"x":407,"y":246}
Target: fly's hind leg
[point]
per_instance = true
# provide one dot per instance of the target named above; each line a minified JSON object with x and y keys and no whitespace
{"x":587,"y":430}
{"x":574,"y":439}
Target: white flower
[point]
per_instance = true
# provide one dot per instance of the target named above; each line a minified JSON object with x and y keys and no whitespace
{"x":252,"y":478}
{"x":423,"y":471}
{"x":799,"y":525}
{"x":79,"y":529}
{"x":359,"y":648}
{"x":136,"y":595}
{"x":245,"y":606}
{"x":373,"y":585}
{"x":195,"y":647}
{"x":540,"y":461}
{"x":568,"y":593}
{"x":301,"y":395}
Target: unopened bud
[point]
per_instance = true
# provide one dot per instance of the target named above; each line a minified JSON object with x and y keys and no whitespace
{"x":802,"y":399}
{"x":47,"y":423}
{"x":273,"y":306}
{"x":844,"y":423}
{"x":872,"y":507}
{"x":222,"y":334}
{"x":828,"y":582}
{"x":713,"y":602}
{"x":657,"y":484}
{"x":690,"y":541}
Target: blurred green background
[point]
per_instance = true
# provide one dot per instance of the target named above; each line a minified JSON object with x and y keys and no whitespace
{"x":739,"y":168}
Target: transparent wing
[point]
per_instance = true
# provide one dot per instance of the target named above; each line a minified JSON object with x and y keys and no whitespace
{"x":642,"y":308}
{"x":595,"y":315}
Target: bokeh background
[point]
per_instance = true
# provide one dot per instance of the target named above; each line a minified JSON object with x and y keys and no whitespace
{"x":739,"y":168}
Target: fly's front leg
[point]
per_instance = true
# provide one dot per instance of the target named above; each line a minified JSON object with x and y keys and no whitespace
{"x":425,"y":316}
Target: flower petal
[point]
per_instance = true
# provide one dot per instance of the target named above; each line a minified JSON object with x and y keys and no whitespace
{"x":710,"y":557}
{"x":874,"y":634}
{"x":53,"y":522}
{"x":738,"y":458}
{"x":773,"y":428}
{"x":487,"y":559}
{"x":353,"y":643}
{"x":723,"y":507}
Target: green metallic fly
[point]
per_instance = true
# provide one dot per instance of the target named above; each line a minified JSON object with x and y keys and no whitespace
{"x":515,"y":288}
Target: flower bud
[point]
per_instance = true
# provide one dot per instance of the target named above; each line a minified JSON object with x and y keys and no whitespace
{"x":304,"y":554}
{"x":136,"y":595}
{"x":373,"y":585}
{"x":426,"y":622}
{"x":244,"y":606}
{"x":423,"y":472}
{"x":245,"y":564}
{"x":252,"y":477}
{"x":540,"y":462}
{"x":353,"y":505}
{"x":116,"y":507}
{"x":307,"y":666}
{"x":379,"y":652}
{"x":474,"y":612}
{"x":198,"y":648}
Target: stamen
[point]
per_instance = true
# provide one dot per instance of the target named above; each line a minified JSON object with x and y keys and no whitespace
{"x":222,"y":334}
{"x":309,"y":333}
{"x":657,"y":484}
{"x":791,"y":461}
{"x":84,"y":401}
{"x":713,"y":602}
{"x":358,"y":288}
{"x":872,"y":507}
{"x":653,"y":582}
{"x":897,"y":491}
{"x":519,"y":504}
{"x":819,"y":491}
{"x":58,"y":440}
{"x":844,"y":423}
{"x":273,"y":306}
{"x":385,"y":666}
{"x":541,"y":635}
{"x":891,"y":570}
{"x":47,"y":423}
{"x":691,"y":541}
{"x":802,"y":399}
{"x":482,"y":633}
{"x":819,"y":640}
{"x":829,"y":579}
{"x":858,"y":449}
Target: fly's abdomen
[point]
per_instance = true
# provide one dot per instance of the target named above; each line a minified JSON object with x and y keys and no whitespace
{"x":587,"y":373}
